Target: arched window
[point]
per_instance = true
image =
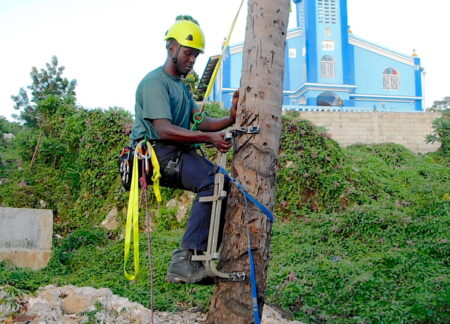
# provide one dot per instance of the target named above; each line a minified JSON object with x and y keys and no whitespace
{"x":327,"y":67}
{"x":391,"y":79}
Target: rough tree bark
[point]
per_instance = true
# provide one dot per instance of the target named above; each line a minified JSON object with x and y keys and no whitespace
{"x":255,"y":159}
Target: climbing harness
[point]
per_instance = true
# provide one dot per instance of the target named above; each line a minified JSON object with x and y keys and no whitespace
{"x":199,"y":117}
{"x":212,"y":255}
{"x":144,"y":152}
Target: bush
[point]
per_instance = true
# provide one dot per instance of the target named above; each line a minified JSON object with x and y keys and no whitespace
{"x":316,"y":162}
{"x":441,"y":132}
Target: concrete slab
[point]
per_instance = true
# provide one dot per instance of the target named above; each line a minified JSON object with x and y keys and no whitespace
{"x":26,"y":236}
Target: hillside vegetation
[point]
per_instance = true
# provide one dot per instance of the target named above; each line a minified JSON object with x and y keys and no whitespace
{"x":361,"y":236}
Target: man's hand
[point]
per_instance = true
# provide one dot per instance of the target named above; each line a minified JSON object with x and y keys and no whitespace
{"x":217,"y":139}
{"x":169,"y":132}
{"x":234,"y":103}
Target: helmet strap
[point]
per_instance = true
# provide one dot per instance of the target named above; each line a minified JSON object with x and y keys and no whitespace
{"x":175,"y":58}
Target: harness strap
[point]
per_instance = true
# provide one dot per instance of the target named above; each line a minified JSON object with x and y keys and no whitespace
{"x":246,"y":194}
{"x":156,"y":175}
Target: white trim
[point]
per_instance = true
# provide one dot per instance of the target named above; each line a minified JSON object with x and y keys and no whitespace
{"x":351,"y":95}
{"x":320,"y":86}
{"x":383,"y":96}
{"x":384,"y":100}
{"x":294,"y":33}
{"x":236,"y":49}
{"x":330,"y":85}
{"x":379,"y":50}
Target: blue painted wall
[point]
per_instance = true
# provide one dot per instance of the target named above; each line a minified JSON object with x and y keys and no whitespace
{"x":370,"y":79}
{"x":295,"y":68}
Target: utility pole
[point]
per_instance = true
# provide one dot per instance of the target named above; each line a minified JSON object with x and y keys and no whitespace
{"x":255,"y":160}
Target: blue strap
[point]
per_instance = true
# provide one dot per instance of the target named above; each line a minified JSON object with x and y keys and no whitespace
{"x":254,"y":286}
{"x":247,"y":195}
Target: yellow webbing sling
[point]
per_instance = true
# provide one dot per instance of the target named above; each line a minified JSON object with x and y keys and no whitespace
{"x":132,"y":223}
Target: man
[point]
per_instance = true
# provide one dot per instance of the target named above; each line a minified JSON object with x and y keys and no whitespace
{"x":163,"y":112}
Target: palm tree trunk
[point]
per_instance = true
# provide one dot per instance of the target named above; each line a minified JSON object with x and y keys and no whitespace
{"x":255,"y":160}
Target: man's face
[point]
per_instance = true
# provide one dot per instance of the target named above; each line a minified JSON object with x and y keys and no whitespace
{"x":186,"y":59}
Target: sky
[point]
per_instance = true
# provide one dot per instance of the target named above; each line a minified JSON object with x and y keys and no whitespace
{"x":109,"y":45}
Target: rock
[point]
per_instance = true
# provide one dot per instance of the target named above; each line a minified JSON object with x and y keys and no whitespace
{"x":70,"y":304}
{"x":74,"y":305}
{"x":172,"y":203}
{"x":181,"y":203}
{"x":271,"y":316}
{"x":76,"y":300}
{"x":111,"y":221}
{"x":181,"y":213}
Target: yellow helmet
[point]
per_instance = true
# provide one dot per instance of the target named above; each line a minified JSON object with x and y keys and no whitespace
{"x":187,"y":34}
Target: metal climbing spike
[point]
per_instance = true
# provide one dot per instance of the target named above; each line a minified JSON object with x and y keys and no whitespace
{"x":212,"y":255}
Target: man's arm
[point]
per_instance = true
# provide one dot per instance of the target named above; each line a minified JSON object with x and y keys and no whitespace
{"x":167,"y":131}
{"x":215,"y":124}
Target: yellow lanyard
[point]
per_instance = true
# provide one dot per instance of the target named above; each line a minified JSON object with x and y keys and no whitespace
{"x":132,"y":223}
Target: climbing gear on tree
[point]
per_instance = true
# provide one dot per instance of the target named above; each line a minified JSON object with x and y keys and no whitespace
{"x":187,"y":34}
{"x":247,"y":196}
{"x":212,"y":254}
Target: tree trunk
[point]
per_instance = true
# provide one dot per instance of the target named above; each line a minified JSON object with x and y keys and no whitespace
{"x":255,"y":160}
{"x":36,"y":150}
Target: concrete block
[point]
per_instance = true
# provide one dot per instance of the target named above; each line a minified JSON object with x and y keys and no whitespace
{"x":26,"y":236}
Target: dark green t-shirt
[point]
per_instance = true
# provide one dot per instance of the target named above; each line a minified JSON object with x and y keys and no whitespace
{"x":161,"y":96}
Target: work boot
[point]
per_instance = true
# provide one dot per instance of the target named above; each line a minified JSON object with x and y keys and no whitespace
{"x":183,"y":269}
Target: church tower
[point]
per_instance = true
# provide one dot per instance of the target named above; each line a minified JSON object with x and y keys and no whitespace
{"x":328,"y":55}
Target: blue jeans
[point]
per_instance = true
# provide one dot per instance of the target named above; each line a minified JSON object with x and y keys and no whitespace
{"x":196,"y":174}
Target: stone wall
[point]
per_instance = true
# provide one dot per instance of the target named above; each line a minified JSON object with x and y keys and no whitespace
{"x":26,"y":236}
{"x":347,"y":128}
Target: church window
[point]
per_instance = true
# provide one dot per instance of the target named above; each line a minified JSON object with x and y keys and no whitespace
{"x":326,"y":11}
{"x":391,"y":79}
{"x":302,"y":15}
{"x":327,"y":67}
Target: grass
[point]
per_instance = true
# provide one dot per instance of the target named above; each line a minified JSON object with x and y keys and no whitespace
{"x":362,"y":236}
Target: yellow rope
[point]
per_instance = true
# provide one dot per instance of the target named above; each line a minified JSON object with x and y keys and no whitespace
{"x":216,"y":69}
